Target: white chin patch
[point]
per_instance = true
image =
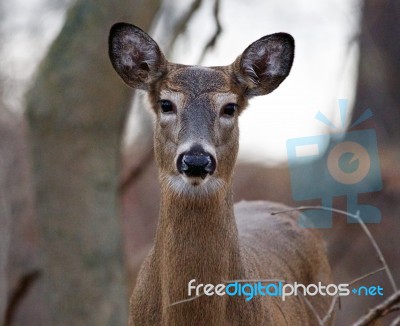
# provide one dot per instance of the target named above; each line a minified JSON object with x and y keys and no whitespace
{"x":186,"y":186}
{"x":195,"y":181}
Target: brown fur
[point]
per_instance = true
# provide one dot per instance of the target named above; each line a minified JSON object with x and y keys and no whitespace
{"x":201,"y":235}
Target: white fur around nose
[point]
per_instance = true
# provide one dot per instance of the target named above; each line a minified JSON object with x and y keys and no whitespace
{"x":186,"y":146}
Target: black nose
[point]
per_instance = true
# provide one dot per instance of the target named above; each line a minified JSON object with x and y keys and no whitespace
{"x":196,"y":163}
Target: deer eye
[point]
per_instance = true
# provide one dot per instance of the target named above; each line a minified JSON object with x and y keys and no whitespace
{"x":166,"y":106}
{"x":229,"y":109}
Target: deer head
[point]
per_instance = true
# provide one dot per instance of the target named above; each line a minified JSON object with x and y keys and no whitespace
{"x":197,"y":108}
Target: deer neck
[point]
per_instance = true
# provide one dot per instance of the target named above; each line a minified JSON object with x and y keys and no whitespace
{"x":196,"y":239}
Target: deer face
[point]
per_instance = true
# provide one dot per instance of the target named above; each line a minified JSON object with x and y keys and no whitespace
{"x":196,"y":138}
{"x":197,"y":108}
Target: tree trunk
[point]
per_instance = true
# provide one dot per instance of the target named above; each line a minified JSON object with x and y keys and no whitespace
{"x":76,"y":111}
{"x":379,"y":69}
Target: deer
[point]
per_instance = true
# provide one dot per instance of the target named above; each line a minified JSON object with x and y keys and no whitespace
{"x":201,"y":235}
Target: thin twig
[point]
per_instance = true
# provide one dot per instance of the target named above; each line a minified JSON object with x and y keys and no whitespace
{"x":395,"y":322}
{"x":309,"y":304}
{"x":358,"y":279}
{"x":378,"y":310}
{"x":390,"y":310}
{"x":218,"y":30}
{"x":181,"y":26}
{"x":330,"y":310}
{"x":336,"y":297}
{"x":364,"y":227}
{"x":135,"y":172}
{"x":24,"y":285}
{"x":186,"y":300}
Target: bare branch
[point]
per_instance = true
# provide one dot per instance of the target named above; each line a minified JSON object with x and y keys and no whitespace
{"x":330,"y":310}
{"x":308,"y":303}
{"x":395,"y":322}
{"x":379,"y":310}
{"x":393,"y":309}
{"x":135,"y":172}
{"x":214,"y":38}
{"x":363,"y":226}
{"x":24,"y":285}
{"x":186,"y":300}
{"x":336,"y":297}
{"x":182,"y":24}
{"x":366,"y":275}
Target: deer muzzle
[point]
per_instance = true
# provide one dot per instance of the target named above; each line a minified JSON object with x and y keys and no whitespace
{"x":196,"y":163}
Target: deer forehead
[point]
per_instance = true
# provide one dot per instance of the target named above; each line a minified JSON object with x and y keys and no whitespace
{"x":186,"y":84}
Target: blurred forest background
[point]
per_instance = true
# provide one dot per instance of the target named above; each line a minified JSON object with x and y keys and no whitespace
{"x":78,"y":185}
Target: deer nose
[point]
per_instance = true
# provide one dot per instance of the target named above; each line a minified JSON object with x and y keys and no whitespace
{"x":196,"y":164}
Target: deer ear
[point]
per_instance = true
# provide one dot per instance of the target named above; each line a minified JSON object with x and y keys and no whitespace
{"x":135,"y":55}
{"x":265,"y":64}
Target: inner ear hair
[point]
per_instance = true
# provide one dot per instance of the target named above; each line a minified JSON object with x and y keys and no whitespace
{"x":135,"y":55}
{"x":265,"y":64}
